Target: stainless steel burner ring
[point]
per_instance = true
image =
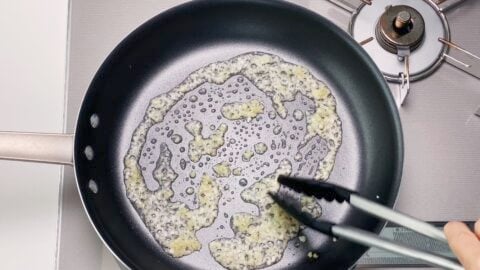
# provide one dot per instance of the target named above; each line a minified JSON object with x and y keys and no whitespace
{"x":425,"y":56}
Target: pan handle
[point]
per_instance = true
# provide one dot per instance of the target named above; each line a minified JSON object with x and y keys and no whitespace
{"x":37,"y":147}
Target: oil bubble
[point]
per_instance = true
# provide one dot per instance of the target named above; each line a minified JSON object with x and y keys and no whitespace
{"x":176,"y":138}
{"x":183,"y":164}
{"x":277,"y":130}
{"x":273,"y":146}
{"x":243,"y":182}
{"x":189,"y":190}
{"x":193,"y":98}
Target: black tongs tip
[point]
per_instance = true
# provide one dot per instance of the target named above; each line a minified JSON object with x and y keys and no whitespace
{"x":318,"y":189}
{"x":289,"y":206}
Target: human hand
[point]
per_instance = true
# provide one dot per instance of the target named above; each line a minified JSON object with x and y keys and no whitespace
{"x":464,"y":243}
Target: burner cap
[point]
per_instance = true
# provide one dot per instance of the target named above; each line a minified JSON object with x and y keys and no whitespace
{"x":400,"y":27}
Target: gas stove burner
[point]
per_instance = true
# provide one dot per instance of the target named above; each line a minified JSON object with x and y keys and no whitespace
{"x":407,"y":39}
{"x":400,"y":27}
{"x":405,"y":33}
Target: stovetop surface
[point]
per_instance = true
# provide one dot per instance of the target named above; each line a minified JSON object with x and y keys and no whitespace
{"x":441,"y":179}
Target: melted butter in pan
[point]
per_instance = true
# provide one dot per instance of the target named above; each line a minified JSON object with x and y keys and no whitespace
{"x":259,"y":239}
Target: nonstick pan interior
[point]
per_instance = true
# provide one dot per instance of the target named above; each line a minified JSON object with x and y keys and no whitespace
{"x":163,"y":52}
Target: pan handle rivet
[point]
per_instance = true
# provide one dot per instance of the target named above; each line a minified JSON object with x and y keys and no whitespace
{"x":94,"y":120}
{"x":89,"y":152}
{"x":92,"y":185}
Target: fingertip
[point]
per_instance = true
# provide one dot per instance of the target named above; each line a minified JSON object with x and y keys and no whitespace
{"x":454,"y":227}
{"x":464,"y":243}
{"x":477,"y":228}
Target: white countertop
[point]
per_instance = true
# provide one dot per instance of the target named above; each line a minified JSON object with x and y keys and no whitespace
{"x":32,"y":83}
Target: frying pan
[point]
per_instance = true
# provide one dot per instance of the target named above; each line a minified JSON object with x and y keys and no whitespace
{"x":161,"y":53}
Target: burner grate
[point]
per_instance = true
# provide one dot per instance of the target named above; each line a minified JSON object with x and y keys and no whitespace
{"x":419,"y":50}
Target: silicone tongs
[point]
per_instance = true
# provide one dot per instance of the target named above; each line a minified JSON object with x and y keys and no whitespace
{"x":330,"y":192}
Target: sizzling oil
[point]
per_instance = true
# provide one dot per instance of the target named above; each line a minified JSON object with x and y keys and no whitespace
{"x":252,"y":138}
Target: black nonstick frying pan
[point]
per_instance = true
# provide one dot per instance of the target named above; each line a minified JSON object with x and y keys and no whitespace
{"x":159,"y":55}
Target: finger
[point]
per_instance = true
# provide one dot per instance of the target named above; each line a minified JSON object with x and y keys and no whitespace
{"x":477,"y":228}
{"x":464,"y":243}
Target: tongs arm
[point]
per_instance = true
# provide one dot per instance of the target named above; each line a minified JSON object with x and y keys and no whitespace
{"x":380,"y":211}
{"x":332,"y":192}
